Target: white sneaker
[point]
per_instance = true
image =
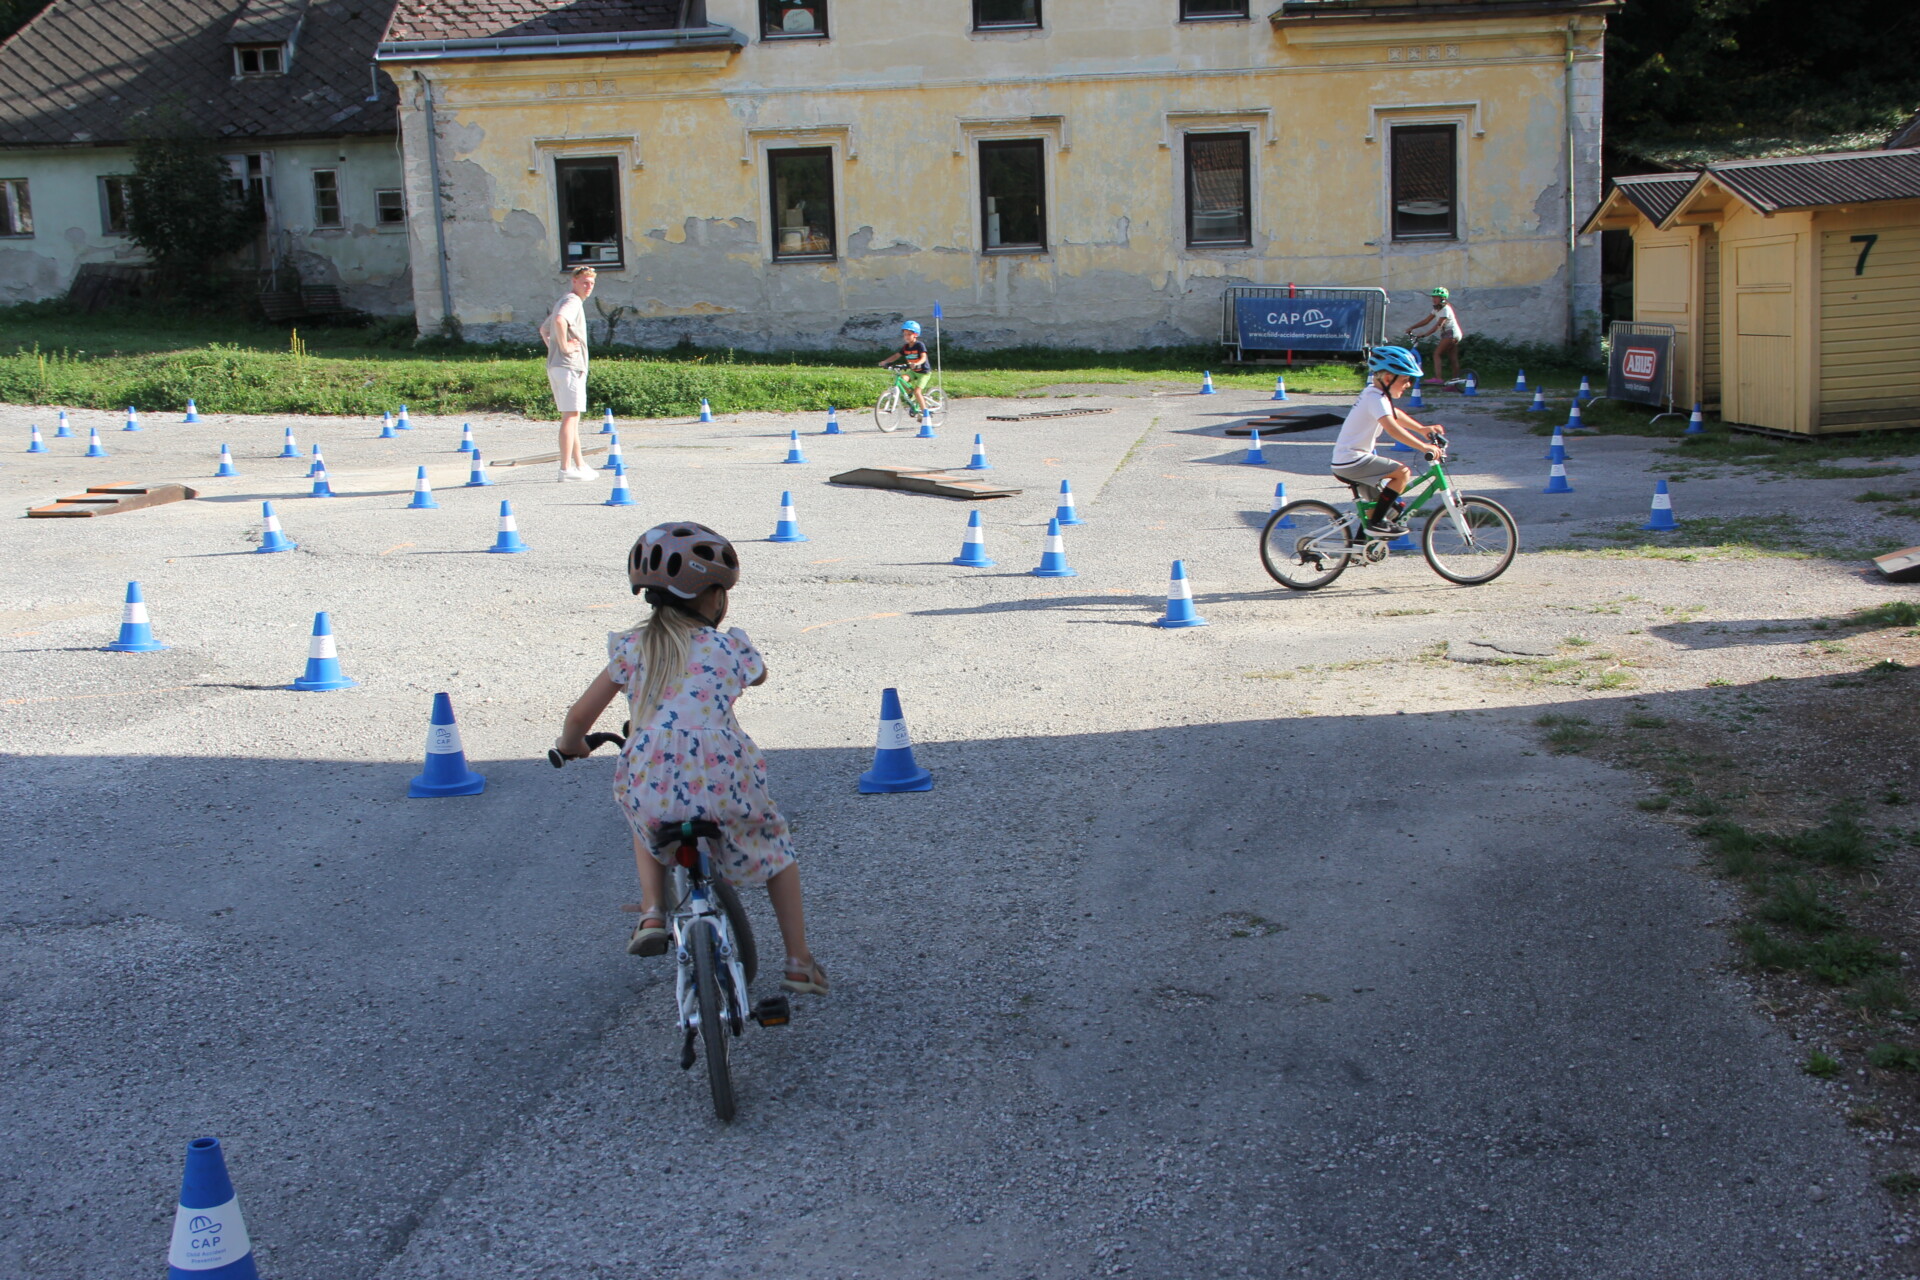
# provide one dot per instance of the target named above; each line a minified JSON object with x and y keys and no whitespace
{"x":583,"y":473}
{"x":566,"y":475}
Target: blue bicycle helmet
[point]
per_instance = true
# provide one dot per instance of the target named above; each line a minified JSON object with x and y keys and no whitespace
{"x":1394,"y":360}
{"x":911,"y":326}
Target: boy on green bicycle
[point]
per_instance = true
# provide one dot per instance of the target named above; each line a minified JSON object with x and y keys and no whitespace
{"x":913,"y":353}
{"x":1393,"y":371}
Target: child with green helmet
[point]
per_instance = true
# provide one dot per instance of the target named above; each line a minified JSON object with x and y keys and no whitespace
{"x":1444,"y":325}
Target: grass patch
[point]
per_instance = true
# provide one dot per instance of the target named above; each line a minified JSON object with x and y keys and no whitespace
{"x":1717,"y":538}
{"x":1404,"y":613}
{"x":56,"y":356}
{"x":1893,"y":1057}
{"x":1902,"y":1182}
{"x":1568,"y":735}
{"x":1891,"y":613}
{"x":1793,"y":902}
{"x":1822,"y":1066}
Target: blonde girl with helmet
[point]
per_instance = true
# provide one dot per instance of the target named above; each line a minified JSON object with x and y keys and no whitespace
{"x":686,"y":755}
{"x":1443,"y":324}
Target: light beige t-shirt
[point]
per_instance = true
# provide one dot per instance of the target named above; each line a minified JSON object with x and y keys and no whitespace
{"x":568,"y":317}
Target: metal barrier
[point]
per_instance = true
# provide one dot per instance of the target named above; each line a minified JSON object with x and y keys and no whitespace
{"x":1371,"y":331}
{"x":1625,"y":384}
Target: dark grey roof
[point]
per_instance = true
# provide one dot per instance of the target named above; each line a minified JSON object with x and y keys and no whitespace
{"x":1656,"y":194}
{"x":267,"y":21}
{"x":88,"y":71}
{"x":1802,"y":182}
{"x":1907,"y":135}
{"x":497,"y":19}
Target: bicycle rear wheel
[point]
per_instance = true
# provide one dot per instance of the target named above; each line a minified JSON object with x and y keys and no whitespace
{"x":1312,"y":553}
{"x":887,"y":413}
{"x":936,"y":404}
{"x":1483,"y":555}
{"x":713,"y":1021}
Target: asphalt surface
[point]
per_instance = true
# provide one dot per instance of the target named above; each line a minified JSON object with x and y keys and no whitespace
{"x":1253,"y":949}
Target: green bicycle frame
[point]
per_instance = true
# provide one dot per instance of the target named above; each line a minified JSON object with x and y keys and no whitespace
{"x":1431,"y":482}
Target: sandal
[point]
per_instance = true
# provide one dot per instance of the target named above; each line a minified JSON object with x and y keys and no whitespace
{"x":648,"y":940}
{"x":805,"y":978}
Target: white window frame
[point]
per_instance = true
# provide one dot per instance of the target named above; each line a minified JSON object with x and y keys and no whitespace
{"x":1465,"y":118}
{"x":339,"y":202}
{"x":1055,"y":140}
{"x":10,"y":192}
{"x":1252,"y":133}
{"x":381,"y":225}
{"x":837,"y":138}
{"x":106,"y":219}
{"x":622,"y":169}
{"x":278,"y":49}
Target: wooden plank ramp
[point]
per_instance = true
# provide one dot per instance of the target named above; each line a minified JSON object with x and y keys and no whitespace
{"x":1283,"y":421}
{"x":111,"y":500}
{"x":586,"y":451}
{"x":1043,"y":413}
{"x":943,"y":484}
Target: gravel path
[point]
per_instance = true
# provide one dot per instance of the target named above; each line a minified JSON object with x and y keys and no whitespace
{"x":1276,"y":946}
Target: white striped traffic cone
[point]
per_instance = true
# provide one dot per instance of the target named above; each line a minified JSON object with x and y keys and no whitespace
{"x":1180,"y":601}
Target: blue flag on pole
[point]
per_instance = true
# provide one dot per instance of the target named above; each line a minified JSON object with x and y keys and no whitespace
{"x":936,"y":311}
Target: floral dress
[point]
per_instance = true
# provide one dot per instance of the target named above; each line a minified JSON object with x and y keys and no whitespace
{"x":689,"y":758}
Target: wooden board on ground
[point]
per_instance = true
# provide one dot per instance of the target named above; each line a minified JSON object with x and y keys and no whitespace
{"x":1283,"y":421}
{"x":1043,"y":413}
{"x":1900,"y":566}
{"x":531,"y":459}
{"x":111,"y":500}
{"x":943,"y":484}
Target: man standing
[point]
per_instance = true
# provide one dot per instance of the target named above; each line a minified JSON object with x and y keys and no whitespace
{"x":565,"y":333}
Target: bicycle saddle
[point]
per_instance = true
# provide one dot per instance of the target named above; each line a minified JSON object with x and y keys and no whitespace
{"x":674,"y":833}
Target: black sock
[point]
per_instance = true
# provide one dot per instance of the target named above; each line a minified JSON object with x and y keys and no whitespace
{"x":1385,"y":511}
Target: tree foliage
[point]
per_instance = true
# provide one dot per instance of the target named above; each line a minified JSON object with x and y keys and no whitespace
{"x":1728,"y":69}
{"x":15,"y":14}
{"x":183,"y":208}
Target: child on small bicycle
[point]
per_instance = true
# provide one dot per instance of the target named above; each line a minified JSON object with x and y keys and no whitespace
{"x":913,"y":354}
{"x":1392,"y":370}
{"x":686,"y":756}
{"x":1444,"y":325}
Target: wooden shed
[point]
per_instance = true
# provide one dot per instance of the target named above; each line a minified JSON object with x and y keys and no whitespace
{"x":1814,"y":264}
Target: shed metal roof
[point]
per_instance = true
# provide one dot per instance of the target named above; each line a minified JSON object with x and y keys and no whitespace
{"x":1656,"y":194}
{"x":1805,"y":182}
{"x":89,"y":71}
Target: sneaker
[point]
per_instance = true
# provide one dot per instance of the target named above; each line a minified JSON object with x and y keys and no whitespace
{"x":566,"y":475}
{"x":1389,"y":528}
{"x":583,"y":473}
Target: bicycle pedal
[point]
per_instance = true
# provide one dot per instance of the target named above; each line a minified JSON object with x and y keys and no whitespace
{"x":773,"y":1011}
{"x":686,"y":1050}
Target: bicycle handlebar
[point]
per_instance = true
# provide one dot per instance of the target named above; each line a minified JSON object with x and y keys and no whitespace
{"x":595,"y":741}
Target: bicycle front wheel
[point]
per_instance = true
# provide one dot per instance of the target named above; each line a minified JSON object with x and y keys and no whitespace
{"x":1310,"y":554}
{"x":713,"y":1022}
{"x":887,"y":413}
{"x":1477,"y":549}
{"x":936,"y":404}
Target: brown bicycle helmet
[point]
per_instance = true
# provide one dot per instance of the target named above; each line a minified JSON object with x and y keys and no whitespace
{"x":682,"y":557}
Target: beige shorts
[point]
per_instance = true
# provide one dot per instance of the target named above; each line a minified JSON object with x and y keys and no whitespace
{"x":569,"y":388}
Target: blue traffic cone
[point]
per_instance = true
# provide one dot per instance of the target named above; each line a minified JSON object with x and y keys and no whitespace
{"x":321,"y":489}
{"x":833,"y":422}
{"x":34,"y":443}
{"x":193,"y":411}
{"x":926,"y":428}
{"x":614,"y":460}
{"x":289,"y":449}
{"x":323,"y":674}
{"x":271,"y":537}
{"x":62,"y":431}
{"x":1255,"y":457}
{"x":1661,"y":520}
{"x":386,"y":427}
{"x":788,"y":528}
{"x":225,"y":468}
{"x":894,"y":768}
{"x":94,"y":448}
{"x":1575,"y":422}
{"x":477,"y":477}
{"x":606,"y":422}
{"x":1279,"y":501}
{"x":1065,"y":512}
{"x":1585,"y":393}
{"x":1539,"y":404}
{"x":1471,"y":387}
{"x":1404,"y":542}
{"x":620,"y":496}
{"x":318,"y":464}
{"x":793,"y":448}
{"x":1520,"y":380}
{"x":1053,"y":560}
{"x":973,"y":546}
{"x":1696,"y":425}
{"x":979,"y":461}
{"x":136,"y":633}
{"x":209,"y":1234}
{"x":1557,"y":479}
{"x":1206,"y":384}
{"x":1416,"y":400}
{"x":1557,"y":448}
{"x":507,"y":541}
{"x":1280,"y":388}
{"x":133,"y":419}
{"x":400,"y":423}
{"x":706,"y":410}
{"x":1180,"y":601}
{"x":445,"y":772}
{"x":422,"y":493}
{"x":466,"y":444}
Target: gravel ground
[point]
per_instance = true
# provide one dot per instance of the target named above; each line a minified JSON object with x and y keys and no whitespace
{"x":1270,"y":947}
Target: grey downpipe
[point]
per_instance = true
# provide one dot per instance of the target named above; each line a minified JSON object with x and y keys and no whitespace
{"x":1573,"y":226}
{"x":447,"y":323}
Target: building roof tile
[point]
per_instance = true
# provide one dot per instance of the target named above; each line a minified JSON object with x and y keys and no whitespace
{"x":88,"y":71}
{"x":492,"y":19}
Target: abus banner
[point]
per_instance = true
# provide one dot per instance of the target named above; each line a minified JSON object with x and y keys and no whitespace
{"x":1637,"y":370}
{"x":1301,"y":324}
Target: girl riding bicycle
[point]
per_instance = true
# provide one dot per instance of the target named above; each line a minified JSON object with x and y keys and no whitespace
{"x":686,"y":755}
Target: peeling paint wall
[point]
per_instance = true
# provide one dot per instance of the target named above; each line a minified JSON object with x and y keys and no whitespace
{"x":367,"y":261}
{"x":1111,"y":89}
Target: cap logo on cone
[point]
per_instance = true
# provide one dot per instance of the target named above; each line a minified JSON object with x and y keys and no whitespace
{"x":209,"y":1233}
{"x":894,"y":768}
{"x":445,"y":772}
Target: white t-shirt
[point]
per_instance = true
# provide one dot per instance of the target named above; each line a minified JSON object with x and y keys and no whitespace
{"x":1361,"y":431}
{"x":1449,"y":323}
